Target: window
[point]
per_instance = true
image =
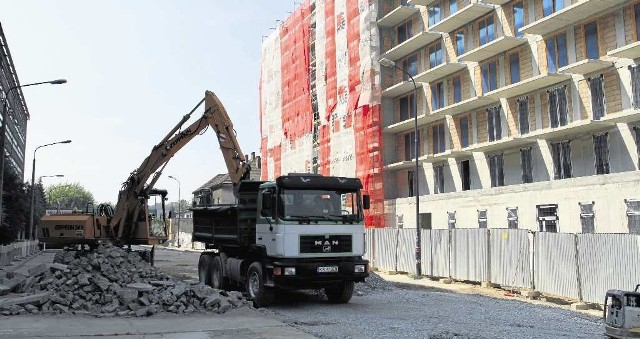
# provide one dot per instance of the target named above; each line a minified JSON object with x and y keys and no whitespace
{"x":636,"y":9}
{"x":486,"y":30}
{"x":494,"y":124}
{"x":466,"y":175}
{"x":457,"y":90}
{"x":437,"y":95}
{"x":496,"y":170}
{"x":636,"y":134}
{"x":425,"y":221}
{"x":547,"y":218}
{"x":523,"y":115}
{"x":482,"y":218}
{"x":556,"y":52}
{"x":526,"y":161}
{"x":437,"y":133}
{"x":601,"y":150}
{"x":489,"y":77}
{"x":434,"y":15}
{"x":591,"y":40}
{"x":438,"y":179}
{"x":460,"y":42}
{"x":435,"y":55}
{"x":633,"y":215}
{"x":512,"y":217}
{"x":558,"y":106}
{"x":587,"y":217}
{"x":551,"y":6}
{"x":464,"y":131}
{"x":635,"y":85}
{"x":407,"y":105}
{"x":518,"y":18}
{"x":514,"y":67}
{"x":410,"y":182}
{"x":561,"y":154}
{"x":409,"y":146}
{"x":451,"y":220}
{"x":410,"y":64}
{"x":405,"y":31}
{"x":453,"y":6}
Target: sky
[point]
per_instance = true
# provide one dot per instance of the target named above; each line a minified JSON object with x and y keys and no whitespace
{"x":134,"y":68}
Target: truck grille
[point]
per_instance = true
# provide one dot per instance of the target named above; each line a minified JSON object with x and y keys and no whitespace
{"x":325,"y":244}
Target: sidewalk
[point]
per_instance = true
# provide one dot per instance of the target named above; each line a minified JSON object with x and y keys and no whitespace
{"x":406,"y":281}
{"x":22,"y":266}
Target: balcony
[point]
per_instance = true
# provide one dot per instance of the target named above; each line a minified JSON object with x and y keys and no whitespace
{"x":492,"y":48}
{"x":463,"y":106}
{"x":410,"y":45}
{"x":421,"y":2}
{"x":569,"y":16}
{"x":579,"y":127}
{"x":440,"y":71}
{"x":496,"y":2}
{"x":497,"y":145}
{"x":626,"y":116}
{"x":630,"y":51}
{"x":405,"y":125}
{"x":586,"y":66}
{"x":400,"y":165}
{"x":398,"y":15}
{"x":436,"y":157}
{"x":528,"y":85}
{"x":399,"y":89}
{"x":463,"y":16}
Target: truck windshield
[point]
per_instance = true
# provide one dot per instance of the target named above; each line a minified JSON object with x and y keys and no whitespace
{"x":314,"y":205}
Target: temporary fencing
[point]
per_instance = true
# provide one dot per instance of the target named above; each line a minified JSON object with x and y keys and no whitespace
{"x":9,"y":253}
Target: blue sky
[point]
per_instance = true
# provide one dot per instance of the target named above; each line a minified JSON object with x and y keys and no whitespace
{"x":134,"y":69}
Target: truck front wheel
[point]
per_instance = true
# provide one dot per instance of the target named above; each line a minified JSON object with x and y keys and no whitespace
{"x":204,"y":268}
{"x":260,"y":294}
{"x":340,"y":293}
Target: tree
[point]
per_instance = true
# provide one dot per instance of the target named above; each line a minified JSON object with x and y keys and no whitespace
{"x":15,"y":199}
{"x":69,"y":196}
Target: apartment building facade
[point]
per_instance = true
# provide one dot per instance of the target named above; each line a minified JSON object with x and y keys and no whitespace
{"x":528,"y":113}
{"x":15,"y":144}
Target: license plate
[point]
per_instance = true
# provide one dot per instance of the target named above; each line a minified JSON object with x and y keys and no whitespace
{"x":328,"y":269}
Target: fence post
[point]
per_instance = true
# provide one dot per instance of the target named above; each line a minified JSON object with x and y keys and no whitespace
{"x":488,"y":257}
{"x":575,"y":237}
{"x":449,"y":250}
{"x":395,"y":263}
{"x":533,"y":260}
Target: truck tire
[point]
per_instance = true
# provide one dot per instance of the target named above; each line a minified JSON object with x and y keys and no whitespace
{"x":204,"y":268}
{"x":218,"y":281}
{"x":341,"y":293}
{"x":257,"y":292}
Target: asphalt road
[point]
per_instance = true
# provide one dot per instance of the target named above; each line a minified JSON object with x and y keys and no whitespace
{"x":411,"y":313}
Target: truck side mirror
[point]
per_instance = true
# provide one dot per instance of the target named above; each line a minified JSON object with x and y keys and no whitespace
{"x":366,"y":201}
{"x":266,"y":204}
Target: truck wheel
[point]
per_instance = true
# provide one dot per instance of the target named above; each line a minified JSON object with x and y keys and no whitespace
{"x":341,"y":293}
{"x":218,"y":281}
{"x":204,"y":268}
{"x":260,"y":294}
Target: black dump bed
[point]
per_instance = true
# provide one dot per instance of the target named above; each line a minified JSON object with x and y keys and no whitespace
{"x":229,"y":225}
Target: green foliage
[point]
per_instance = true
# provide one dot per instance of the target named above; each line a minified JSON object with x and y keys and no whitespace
{"x":16,"y":200}
{"x":69,"y":196}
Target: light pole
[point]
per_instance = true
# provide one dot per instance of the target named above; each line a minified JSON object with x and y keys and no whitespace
{"x":388,"y":63}
{"x":3,"y":131}
{"x":174,"y":178}
{"x":33,"y":187}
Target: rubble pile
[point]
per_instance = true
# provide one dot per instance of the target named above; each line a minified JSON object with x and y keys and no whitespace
{"x":111,"y":281}
{"x":372,"y":284}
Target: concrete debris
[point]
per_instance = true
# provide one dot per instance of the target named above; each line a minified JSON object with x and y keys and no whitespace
{"x":109,"y":281}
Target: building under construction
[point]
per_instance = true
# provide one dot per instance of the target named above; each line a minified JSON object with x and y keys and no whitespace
{"x":528,"y":110}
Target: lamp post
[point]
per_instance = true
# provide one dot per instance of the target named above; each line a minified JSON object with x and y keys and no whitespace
{"x":33,"y":187}
{"x":388,"y":63}
{"x":174,"y":178}
{"x":3,"y":131}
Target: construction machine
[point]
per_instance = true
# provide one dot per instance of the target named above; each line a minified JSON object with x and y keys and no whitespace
{"x":622,"y":314}
{"x":130,"y":222}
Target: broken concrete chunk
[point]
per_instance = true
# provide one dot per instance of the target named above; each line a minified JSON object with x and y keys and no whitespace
{"x":141,"y":287}
{"x":35,"y":299}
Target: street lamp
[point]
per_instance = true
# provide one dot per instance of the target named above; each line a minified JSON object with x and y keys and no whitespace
{"x":174,"y":178}
{"x":3,"y":130}
{"x":31,"y":229}
{"x":388,"y":63}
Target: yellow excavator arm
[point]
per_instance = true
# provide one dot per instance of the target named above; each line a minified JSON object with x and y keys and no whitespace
{"x":134,"y":192}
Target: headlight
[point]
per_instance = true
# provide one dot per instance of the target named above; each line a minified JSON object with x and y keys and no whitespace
{"x":289,"y":271}
{"x":359,"y":268}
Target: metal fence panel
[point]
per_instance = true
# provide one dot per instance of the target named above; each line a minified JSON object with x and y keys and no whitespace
{"x":369,"y":245}
{"x":555,"y":264}
{"x":470,"y":254}
{"x":435,"y":253}
{"x":386,"y":240}
{"x":407,"y":250}
{"x":608,"y":261}
{"x":509,"y":250}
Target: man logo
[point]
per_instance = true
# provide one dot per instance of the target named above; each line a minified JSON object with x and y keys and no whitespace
{"x":326,"y":248}
{"x":318,"y":243}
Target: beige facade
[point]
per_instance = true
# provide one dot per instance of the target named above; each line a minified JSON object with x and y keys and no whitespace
{"x":540,"y":108}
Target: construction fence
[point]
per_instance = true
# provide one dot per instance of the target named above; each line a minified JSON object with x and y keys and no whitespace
{"x":11,"y":252}
{"x":576,"y":266}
